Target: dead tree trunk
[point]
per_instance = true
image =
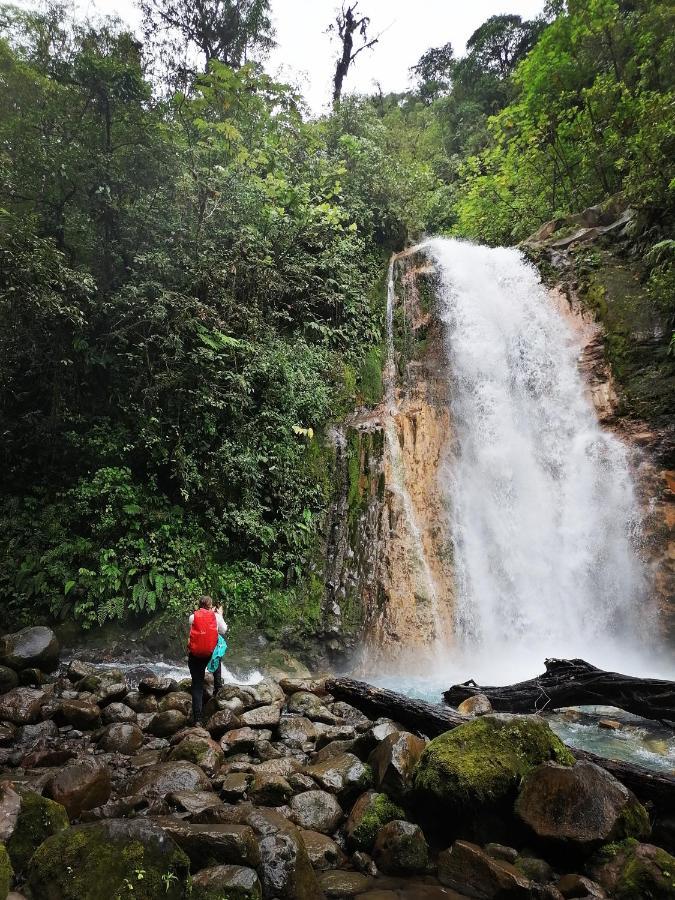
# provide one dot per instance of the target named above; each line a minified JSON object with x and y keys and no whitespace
{"x":573,"y":682}
{"x":427,"y":718}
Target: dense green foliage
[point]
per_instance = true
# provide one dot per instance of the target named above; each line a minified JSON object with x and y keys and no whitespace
{"x":190,"y":273}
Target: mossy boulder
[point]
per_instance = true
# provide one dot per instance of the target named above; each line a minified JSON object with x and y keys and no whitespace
{"x":115,"y":858}
{"x":39,"y":819}
{"x":6,"y":872}
{"x":370,"y":812}
{"x":633,"y":871}
{"x":480,"y":764}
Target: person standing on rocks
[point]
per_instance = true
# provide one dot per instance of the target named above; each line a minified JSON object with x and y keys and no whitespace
{"x":206,"y":624}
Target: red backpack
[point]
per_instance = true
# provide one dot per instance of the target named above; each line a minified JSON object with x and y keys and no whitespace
{"x":203,"y":634}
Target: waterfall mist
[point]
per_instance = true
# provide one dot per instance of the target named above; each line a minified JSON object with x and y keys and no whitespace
{"x":545,"y":522}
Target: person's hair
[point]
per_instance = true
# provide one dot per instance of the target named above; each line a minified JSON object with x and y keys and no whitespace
{"x":205,"y":602}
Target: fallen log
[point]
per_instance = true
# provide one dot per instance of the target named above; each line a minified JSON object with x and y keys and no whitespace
{"x":574,"y":682}
{"x":431,"y":720}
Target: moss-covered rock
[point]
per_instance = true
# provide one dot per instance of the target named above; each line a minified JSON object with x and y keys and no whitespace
{"x":117,"y":859}
{"x":6,"y":872}
{"x":482,"y":762}
{"x":634,"y":871}
{"x":370,"y":812}
{"x":39,"y":818}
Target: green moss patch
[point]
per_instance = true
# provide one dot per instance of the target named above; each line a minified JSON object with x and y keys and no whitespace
{"x":38,"y":819}
{"x":482,"y":762}
{"x":6,"y":872}
{"x":378,"y":811}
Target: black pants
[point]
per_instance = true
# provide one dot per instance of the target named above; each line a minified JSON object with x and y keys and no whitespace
{"x":197,"y":666}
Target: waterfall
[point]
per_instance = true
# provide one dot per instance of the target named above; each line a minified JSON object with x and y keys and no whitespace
{"x":545,"y":523}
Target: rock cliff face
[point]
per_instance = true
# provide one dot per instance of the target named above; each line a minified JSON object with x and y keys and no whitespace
{"x":390,"y":579}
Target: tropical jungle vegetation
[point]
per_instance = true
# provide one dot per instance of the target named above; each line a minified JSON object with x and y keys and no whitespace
{"x":191,"y":271}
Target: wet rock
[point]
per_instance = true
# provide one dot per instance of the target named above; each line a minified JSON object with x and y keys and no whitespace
{"x":316,"y":811}
{"x":22,"y":705}
{"x":344,"y":775}
{"x":156,"y":781}
{"x":8,"y":734}
{"x":499,"y":851}
{"x":179,"y":700}
{"x":79,"y":713}
{"x":572,"y":886}
{"x":141,"y":703}
{"x":351,"y":715}
{"x":364,"y":863}
{"x":394,"y":761}
{"x":213,"y":844}
{"x":300,"y":783}
{"x":194,"y":802}
{"x":243,"y":739}
{"x":297,"y":731}
{"x":77,"y":863}
{"x":203,"y":751}
{"x":286,"y":871}
{"x":285,"y":766}
{"x":634,"y":871}
{"x":310,"y":706}
{"x":77,"y":670}
{"x":309,"y":685}
{"x":328,"y":734}
{"x":250,"y":696}
{"x":107,"y":686}
{"x":581,"y":806}
{"x":340,"y":885}
{"x":154,"y":684}
{"x":269,"y":790}
{"x":537,"y":870}
{"x":233,"y":882}
{"x":481,"y":763}
{"x":368,"y":740}
{"x":324,"y":853}
{"x":262,"y":716}
{"x":401,"y":849}
{"x":118,"y":712}
{"x":41,"y":759}
{"x":370,"y":812}
{"x":336,"y":748}
{"x":8,"y":679}
{"x":31,"y":677}
{"x":83,"y":785}
{"x":10,"y":805}
{"x":36,"y":647}
{"x":478,"y":705}
{"x":38,"y":818}
{"x":467,"y":869}
{"x":221,"y":721}
{"x":121,"y":737}
{"x":609,"y":724}
{"x":235,"y":786}
{"x":31,"y":735}
{"x":164,"y":724}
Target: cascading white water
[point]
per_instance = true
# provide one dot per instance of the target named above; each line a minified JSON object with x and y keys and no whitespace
{"x":545,"y":522}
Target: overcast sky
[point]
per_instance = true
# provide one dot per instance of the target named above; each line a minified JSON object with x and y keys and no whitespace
{"x":305,"y":53}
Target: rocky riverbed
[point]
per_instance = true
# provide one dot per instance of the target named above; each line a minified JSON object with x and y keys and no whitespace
{"x":282,"y":792}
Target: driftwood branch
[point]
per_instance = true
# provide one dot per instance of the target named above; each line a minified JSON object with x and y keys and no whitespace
{"x":427,"y":718}
{"x":573,"y":682}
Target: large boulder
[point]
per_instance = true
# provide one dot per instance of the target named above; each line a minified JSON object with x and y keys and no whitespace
{"x":297,"y":732}
{"x":207,"y":845}
{"x":8,"y":679}
{"x":304,"y":703}
{"x":36,"y":647}
{"x":121,"y":738}
{"x":394,"y":761}
{"x":203,"y":751}
{"x":582,"y":806}
{"x":118,"y":713}
{"x":370,"y":812}
{"x":269,"y":790}
{"x":316,"y":811}
{"x":221,"y":721}
{"x":262,"y":716}
{"x":90,"y":861}
{"x":482,"y":762}
{"x":233,"y":882}
{"x":468,"y":870}
{"x":401,"y":848}
{"x":38,"y":819}
{"x":83,"y":785}
{"x":156,"y":781}
{"x":167,"y":723}
{"x":633,"y":871}
{"x":81,"y":714}
{"x":22,"y":705}
{"x":323,"y":851}
{"x":285,"y":869}
{"x":344,"y":775}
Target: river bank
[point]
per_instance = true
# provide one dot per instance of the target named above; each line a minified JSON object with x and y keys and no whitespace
{"x":285,"y":792}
